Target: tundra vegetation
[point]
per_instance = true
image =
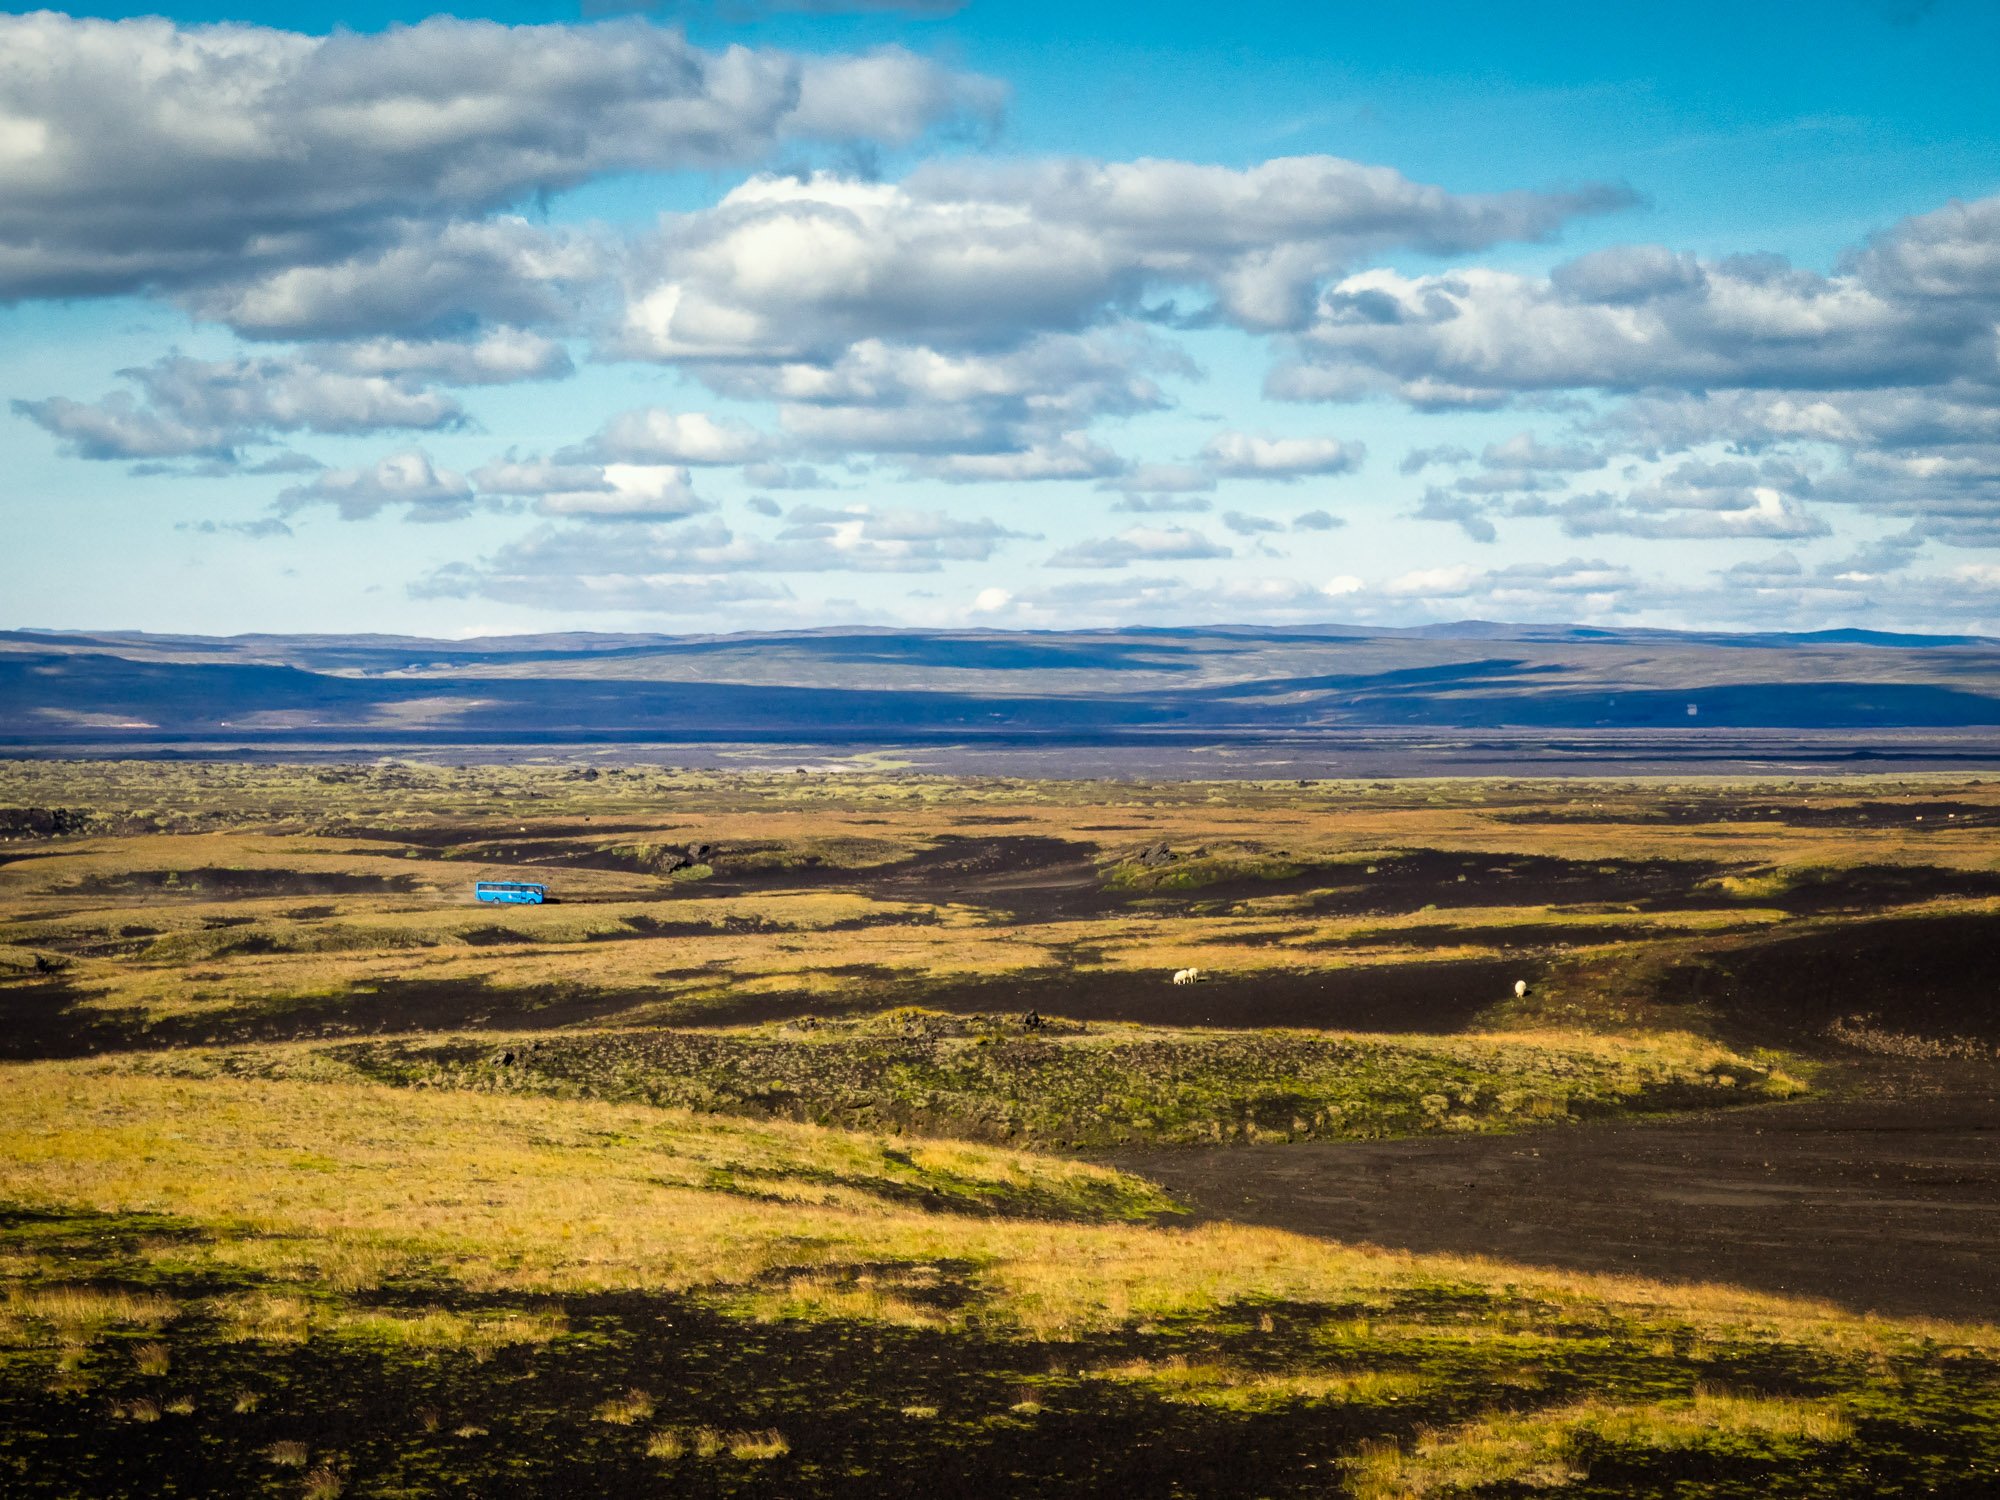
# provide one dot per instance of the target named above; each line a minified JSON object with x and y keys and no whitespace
{"x":772,"y":1156}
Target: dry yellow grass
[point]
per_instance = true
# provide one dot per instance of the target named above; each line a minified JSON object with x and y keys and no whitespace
{"x":73,"y":1314}
{"x":1540,"y":1450}
{"x":217,"y":954}
{"x":350,"y":1185}
{"x":1230,"y":1388}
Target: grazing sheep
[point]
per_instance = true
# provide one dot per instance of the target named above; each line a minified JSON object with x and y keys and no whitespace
{"x":1520,"y":988}
{"x":1187,"y":976}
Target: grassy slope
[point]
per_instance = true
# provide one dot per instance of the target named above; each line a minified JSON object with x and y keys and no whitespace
{"x":1060,"y":1085}
{"x":435,"y":1226}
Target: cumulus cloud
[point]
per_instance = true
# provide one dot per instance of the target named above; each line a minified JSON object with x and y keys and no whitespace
{"x":1418,"y":459}
{"x":584,"y":567}
{"x":409,"y":479}
{"x":499,"y":356}
{"x":1164,"y":505}
{"x":416,"y":277}
{"x":1927,"y":456}
{"x":1139,"y":544}
{"x":591,"y":491}
{"x":771,"y":475}
{"x":656,"y":435}
{"x":871,"y":539}
{"x":1528,"y":587}
{"x":1016,"y":414}
{"x":1695,"y":501}
{"x":1161,"y":480}
{"x":1477,"y":337}
{"x":1245,"y":524}
{"x":1888,"y":363}
{"x":675,"y":593}
{"x":1462,"y":511}
{"x":1141,"y":599}
{"x":1520,"y":466}
{"x":266,"y":529}
{"x":145,"y":154}
{"x":973,"y":254}
{"x":190,"y":407}
{"x":1239,"y":455}
{"x":1523,"y":463}
{"x":1070,"y":456}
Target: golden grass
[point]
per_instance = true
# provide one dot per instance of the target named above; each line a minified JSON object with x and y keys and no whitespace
{"x":1230,"y":1388}
{"x":1549,"y":1448}
{"x":622,"y":1411}
{"x":498,"y":1194}
{"x":748,"y":1446}
{"x":755,"y":1446}
{"x":284,"y":820}
{"x":74,"y":1314}
{"x":280,"y":1318}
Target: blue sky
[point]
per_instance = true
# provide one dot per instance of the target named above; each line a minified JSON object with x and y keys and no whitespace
{"x":744,"y":316}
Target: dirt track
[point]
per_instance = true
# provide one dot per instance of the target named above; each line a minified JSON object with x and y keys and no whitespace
{"x":1883,"y":1195}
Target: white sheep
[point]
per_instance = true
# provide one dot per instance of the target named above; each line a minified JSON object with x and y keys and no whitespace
{"x":1187,"y":976}
{"x":1520,"y":988}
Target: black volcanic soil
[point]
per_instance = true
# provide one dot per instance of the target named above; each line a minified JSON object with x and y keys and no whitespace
{"x":1432,"y":997}
{"x":1936,"y":817}
{"x":1883,"y":1195}
{"x":1924,"y":976}
{"x":239,"y":885}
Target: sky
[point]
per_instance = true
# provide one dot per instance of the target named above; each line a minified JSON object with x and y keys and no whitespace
{"x":999,"y":314}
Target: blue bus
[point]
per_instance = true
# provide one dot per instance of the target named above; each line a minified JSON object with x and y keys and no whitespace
{"x":514,"y":891}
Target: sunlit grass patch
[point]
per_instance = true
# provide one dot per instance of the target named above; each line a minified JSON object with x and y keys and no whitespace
{"x":1232,"y":1388}
{"x":758,"y":1445}
{"x":1059,"y":1084}
{"x":1551,"y":1448}
{"x":747,"y":1446}
{"x":66,"y":1314}
{"x":274,"y":1317}
{"x":622,"y":1411}
{"x":152,"y":1358}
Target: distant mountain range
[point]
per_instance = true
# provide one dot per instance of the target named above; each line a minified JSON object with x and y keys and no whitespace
{"x":102,"y":691}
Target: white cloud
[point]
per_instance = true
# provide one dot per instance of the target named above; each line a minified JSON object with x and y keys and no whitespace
{"x":146,"y":154}
{"x":211,"y":408}
{"x":971,"y":254}
{"x":1245,"y":524}
{"x":500,"y":356}
{"x":1160,"y":479}
{"x":1695,"y":499}
{"x":1139,"y":544}
{"x":1454,"y":580}
{"x":607,"y":492}
{"x":1141,"y":599}
{"x":1163,"y":505}
{"x":580,"y":567}
{"x":1239,"y":455}
{"x":408,"y":479}
{"x":659,"y":436}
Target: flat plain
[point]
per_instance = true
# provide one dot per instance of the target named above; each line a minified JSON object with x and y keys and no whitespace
{"x":846,"y":1134}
